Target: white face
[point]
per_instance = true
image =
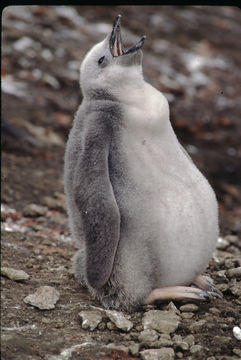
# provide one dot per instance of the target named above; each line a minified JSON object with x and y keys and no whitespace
{"x":100,"y":69}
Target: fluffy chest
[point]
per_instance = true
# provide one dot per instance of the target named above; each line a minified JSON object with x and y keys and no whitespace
{"x":156,"y":163}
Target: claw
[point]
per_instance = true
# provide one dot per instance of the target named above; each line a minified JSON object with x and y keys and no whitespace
{"x":206,"y":283}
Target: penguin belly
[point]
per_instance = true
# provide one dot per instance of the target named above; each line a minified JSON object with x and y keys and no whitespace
{"x":168,"y":210}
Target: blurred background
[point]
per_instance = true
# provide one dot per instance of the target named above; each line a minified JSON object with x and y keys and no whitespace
{"x":191,"y":54}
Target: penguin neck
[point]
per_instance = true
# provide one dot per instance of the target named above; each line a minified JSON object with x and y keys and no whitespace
{"x":140,"y":94}
{"x":117,"y":81}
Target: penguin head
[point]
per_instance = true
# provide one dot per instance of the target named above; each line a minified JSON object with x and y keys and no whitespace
{"x":109,"y":65}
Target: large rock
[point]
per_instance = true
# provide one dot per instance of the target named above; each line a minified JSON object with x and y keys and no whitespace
{"x":119,"y":319}
{"x":163,"y":321}
{"x":158,"y":354}
{"x":44,"y":298}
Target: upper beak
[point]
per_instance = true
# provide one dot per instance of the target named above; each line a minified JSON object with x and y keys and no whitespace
{"x":115,"y":42}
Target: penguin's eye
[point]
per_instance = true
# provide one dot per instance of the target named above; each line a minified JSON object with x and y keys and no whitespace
{"x":100,"y":61}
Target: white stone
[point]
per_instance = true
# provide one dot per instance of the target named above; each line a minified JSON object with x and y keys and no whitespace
{"x":237,"y":332}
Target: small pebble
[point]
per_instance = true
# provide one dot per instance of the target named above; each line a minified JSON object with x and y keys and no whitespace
{"x":195,"y":348}
{"x":126,"y":337}
{"x":14,"y":274}
{"x":134,"y":348}
{"x":102,"y":326}
{"x":53,"y":203}
{"x":163,"y":321}
{"x":229,"y":263}
{"x":196,"y":326}
{"x":134,"y":335}
{"x":181,"y":345}
{"x":187,"y":315}
{"x":90,"y":319}
{"x":45,"y":320}
{"x":222,"y":339}
{"x":237,"y":332}
{"x":139,"y":327}
{"x":237,"y":352}
{"x":164,"y":340}
{"x":231,"y":238}
{"x":189,"y":339}
{"x":222,"y":287}
{"x":116,"y":347}
{"x":214,"y":311}
{"x":34,"y":210}
{"x":172,"y":307}
{"x":119,"y":319}
{"x":148,"y":336}
{"x":221,"y":273}
{"x":179,"y":355}
{"x":176,"y":337}
{"x":223,"y":325}
{"x":158,"y":354}
{"x":59,"y":325}
{"x":235,"y":288}
{"x":189,"y":308}
{"x":222,"y":243}
{"x":235,"y":272}
{"x":111,"y":326}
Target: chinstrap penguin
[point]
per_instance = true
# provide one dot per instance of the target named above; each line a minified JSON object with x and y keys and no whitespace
{"x":144,"y":217}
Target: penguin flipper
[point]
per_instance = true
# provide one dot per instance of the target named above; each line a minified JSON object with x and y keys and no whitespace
{"x":96,"y":203}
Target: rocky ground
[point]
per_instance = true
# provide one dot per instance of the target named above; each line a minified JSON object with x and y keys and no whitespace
{"x":192,"y":54}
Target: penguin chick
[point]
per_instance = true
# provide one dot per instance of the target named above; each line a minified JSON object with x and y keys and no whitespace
{"x":144,"y":217}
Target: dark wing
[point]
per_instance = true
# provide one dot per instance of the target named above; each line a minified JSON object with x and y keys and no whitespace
{"x":96,"y":202}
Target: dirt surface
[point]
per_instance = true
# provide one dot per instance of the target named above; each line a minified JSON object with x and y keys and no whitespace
{"x":192,"y":54}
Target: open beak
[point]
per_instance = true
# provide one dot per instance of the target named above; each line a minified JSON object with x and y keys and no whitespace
{"x":115,"y":42}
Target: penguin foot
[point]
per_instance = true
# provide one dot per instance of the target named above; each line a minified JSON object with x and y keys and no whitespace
{"x":207,"y":284}
{"x":178,"y":293}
